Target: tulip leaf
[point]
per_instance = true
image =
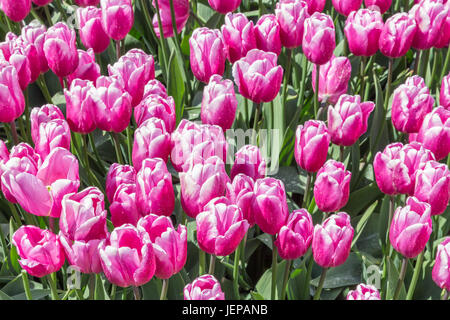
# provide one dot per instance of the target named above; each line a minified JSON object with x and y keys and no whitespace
{"x":362,"y":198}
{"x":392,"y":280}
{"x":256,"y":296}
{"x":293,"y":180}
{"x":264,"y":285}
{"x":176,"y":287}
{"x":363,"y":222}
{"x":378,"y":132}
{"x":4,"y":296}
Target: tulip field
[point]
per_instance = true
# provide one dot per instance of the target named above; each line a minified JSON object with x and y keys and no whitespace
{"x":224,"y":149}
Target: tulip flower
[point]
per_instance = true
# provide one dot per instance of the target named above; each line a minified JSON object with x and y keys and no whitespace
{"x":364,"y":292}
{"x":219,"y":103}
{"x":207,"y":53}
{"x":240,"y":192}
{"x":441,"y":269}
{"x":345,"y":7}
{"x":91,"y":31}
{"x":319,"y":38}
{"x":52,"y":134}
{"x":205,"y":287}
{"x":378,"y":5}
{"x":4,"y":153}
{"x":169,"y":244}
{"x":397,"y":35}
{"x":391,"y":174}
{"x":249,"y":161}
{"x":347,"y":120}
{"x":295,"y":237}
{"x":291,"y":15}
{"x":315,"y":6}
{"x":224,"y":6}
{"x":411,"y":227}
{"x":83,"y":256}
{"x":332,"y":186}
{"x":444,"y":34}
{"x":311,"y":145}
{"x":433,"y":186}
{"x":87,"y":68}
{"x":123,"y":206}
{"x":362,"y":30}
{"x":16,"y":10}
{"x":117,"y":18}
{"x":154,"y":87}
{"x":267,"y":34}
{"x":444,"y":95}
{"x":12,"y":101}
{"x":238,"y":36}
{"x":270,"y":208}
{"x":80,"y":106}
{"x":43,"y":114}
{"x":40,"y":250}
{"x":154,"y":106}
{"x":118,"y":174}
{"x":258,"y":76}
{"x":334,"y":77}
{"x":34,"y":33}
{"x":181,"y":10}
{"x":86,"y":3}
{"x":60,"y":49}
{"x":332,"y":240}
{"x":128,"y":258}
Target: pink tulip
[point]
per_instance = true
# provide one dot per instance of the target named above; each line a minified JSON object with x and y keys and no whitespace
{"x":347,"y":120}
{"x":40,"y":250}
{"x":441,"y":269}
{"x":238,"y":35}
{"x":315,"y":6}
{"x":444,"y":95}
{"x":128,"y":259}
{"x":12,"y":101}
{"x":34,"y":33}
{"x":332,"y":240}
{"x":118,"y":174}
{"x":291,"y":15}
{"x":181,"y":10}
{"x":4,"y":153}
{"x":444,"y":34}
{"x":154,"y":106}
{"x":117,"y":18}
{"x":85,"y":3}
{"x":124,"y":207}
{"x":16,"y":10}
{"x":397,"y":35}
{"x":411,"y":227}
{"x":333,"y":79}
{"x":43,"y":114}
{"x":258,"y":76}
{"x":270,"y":208}
{"x":87,"y":68}
{"x":80,"y":107}
{"x":433,"y":186}
{"x":267,"y":34}
{"x":219,"y":103}
{"x":154,"y":87}
{"x":83,"y":256}
{"x":249,"y":161}
{"x":52,"y":134}
{"x":364,"y":292}
{"x":169,"y":245}
{"x":362,"y":30}
{"x":154,"y":189}
{"x":224,"y":6}
{"x":332,"y":186}
{"x":391,"y":174}
{"x":205,"y":287}
{"x":378,"y":5}
{"x":91,"y":31}
{"x":240,"y":192}
{"x":295,"y":237}
{"x":345,"y":7}
{"x":319,"y":38}
{"x":201,"y":183}
{"x":60,"y":49}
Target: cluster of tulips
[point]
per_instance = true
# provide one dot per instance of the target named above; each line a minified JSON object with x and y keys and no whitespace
{"x":60,"y":213}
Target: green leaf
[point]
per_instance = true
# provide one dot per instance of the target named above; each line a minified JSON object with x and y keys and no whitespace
{"x":264,"y":285}
{"x":347,"y":274}
{"x":393,"y":278}
{"x":377,"y":127}
{"x":363,"y":222}
{"x":256,"y":296}
{"x":362,"y":198}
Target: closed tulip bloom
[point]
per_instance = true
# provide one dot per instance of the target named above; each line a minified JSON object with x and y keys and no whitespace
{"x":40,"y":250}
{"x":270,"y":208}
{"x":117,"y":18}
{"x":128,"y":258}
{"x":154,"y":106}
{"x":434,"y":133}
{"x":315,"y":6}
{"x":83,"y":256}
{"x":258,"y":76}
{"x":169,"y":244}
{"x":224,"y":6}
{"x":91,"y":31}
{"x":87,"y":68}
{"x":43,"y":114}
{"x":52,"y":134}
{"x":123,"y":206}
{"x":397,"y":35}
{"x":181,"y":10}
{"x":155,"y":87}
{"x":433,"y":186}
{"x":362,"y":30}
{"x":441,"y":269}
{"x":332,"y":240}
{"x":80,"y":106}
{"x":333,"y":79}
{"x":207,"y":53}
{"x":238,"y":35}
{"x":4,"y":153}
{"x":411,"y":102}
{"x":364,"y":292}
{"x":219,"y":103}
{"x":345,"y":7}
{"x":201,"y":183}
{"x":391,"y":173}
{"x":86,"y":3}
{"x":295,"y":237}
{"x":319,"y":38}
{"x":35,"y":33}
{"x":378,"y":5}
{"x":291,"y":15}
{"x":41,"y":2}
{"x":12,"y":101}
{"x":249,"y":161}
{"x":118,"y":174}
{"x":444,"y":95}
{"x":444,"y":34}
{"x":240,"y":192}
{"x":332,"y":186}
{"x":60,"y":49}
{"x":429,"y":16}
{"x":205,"y":287}
{"x":16,"y":10}
{"x":411,"y":227}
{"x":311,"y":145}
{"x":267,"y":34}
{"x":347,"y":120}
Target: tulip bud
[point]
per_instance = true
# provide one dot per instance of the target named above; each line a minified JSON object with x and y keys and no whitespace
{"x":332,"y":186}
{"x":444,"y":95}
{"x":391,"y":173}
{"x":332,"y":240}
{"x":124,"y":206}
{"x":117,"y":175}
{"x":34,"y":33}
{"x":224,"y":6}
{"x":91,"y":31}
{"x":444,"y":34}
{"x":441,"y":269}
{"x":345,"y":7}
{"x":315,"y":6}
{"x":12,"y":101}
{"x":319,"y":38}
{"x":117,"y":18}
{"x":238,"y":36}
{"x":397,"y":35}
{"x":295,"y":237}
{"x":411,"y":227}
{"x":40,"y":250}
{"x":43,"y":114}
{"x":364,"y":292}
{"x":249,"y":161}
{"x":181,"y":10}
{"x":154,"y":106}
{"x":16,"y":10}
{"x":205,"y":287}
{"x":52,"y":134}
{"x":87,"y":68}
{"x":291,"y":15}
{"x":83,"y":256}
{"x":258,"y":76}
{"x":267,"y":34}
{"x":378,"y":5}
{"x":240,"y":192}
{"x":80,"y":106}
{"x":154,"y":87}
{"x":347,"y":120}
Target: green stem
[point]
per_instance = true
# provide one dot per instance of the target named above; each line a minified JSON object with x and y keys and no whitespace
{"x":137,"y":293}
{"x":161,"y":34}
{"x":113,"y":292}
{"x":445,"y":296}
{"x":44,"y":89}
{"x":307,"y":187}
{"x":256,"y":124}
{"x":96,"y":154}
{"x":165,"y":287}
{"x":287,"y":272}
{"x":401,"y":278}
{"x":316,"y":93}
{"x":389,"y":84}
{"x":26,"y":285}
{"x":212,"y":264}
{"x":54,"y":291}
{"x":130,"y":145}
{"x":14,"y":133}
{"x":321,"y":282}
{"x":362,"y":75}
{"x":305,"y":290}
{"x":116,"y":141}
{"x":274,"y":269}
{"x":91,"y":286}
{"x":36,"y":16}
{"x":47,"y":14}
{"x":287,"y":74}
{"x":118,"y":53}
{"x":424,"y":63}
{"x":446,"y":63}
{"x":237,"y":254}
{"x":341,"y":153}
{"x":417,"y":270}
{"x":201,"y":262}
{"x":61,"y":9}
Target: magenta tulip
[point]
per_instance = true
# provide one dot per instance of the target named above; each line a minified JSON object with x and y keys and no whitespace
{"x":117,"y":18}
{"x":267,"y":34}
{"x":181,"y":10}
{"x":83,"y":256}
{"x":319,"y":38}
{"x":391,"y":173}
{"x":345,"y":7}
{"x":249,"y":161}
{"x":205,"y":287}
{"x":80,"y":106}
{"x":224,"y":6}
{"x":52,"y":134}
{"x":16,"y":10}
{"x":315,"y":6}
{"x":364,"y":292}
{"x":238,"y":35}
{"x":123,"y":206}
{"x":43,"y":114}
{"x":240,"y":192}
{"x":87,"y":68}
{"x":85,"y":3}
{"x":155,"y":87}
{"x":444,"y":34}
{"x":441,"y":269}
{"x":378,"y":5}
{"x":91,"y":31}
{"x":12,"y":101}
{"x":118,"y":174}
{"x":397,"y":35}
{"x":444,"y":95}
{"x":34,"y":33}
{"x":154,"y":106}
{"x":291,"y":15}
